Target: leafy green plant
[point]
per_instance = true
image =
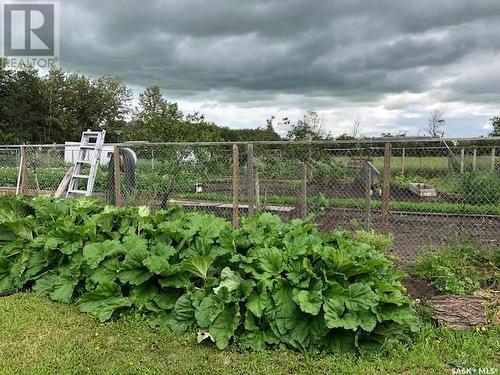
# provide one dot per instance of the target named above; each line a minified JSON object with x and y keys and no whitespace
{"x":379,"y":241}
{"x":458,"y":269}
{"x":266,"y":284}
{"x":480,"y":188}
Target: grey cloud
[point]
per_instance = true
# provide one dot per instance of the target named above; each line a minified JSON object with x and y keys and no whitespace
{"x":355,"y":50}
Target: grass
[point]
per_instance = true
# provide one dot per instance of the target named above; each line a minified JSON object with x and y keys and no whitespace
{"x":43,"y":337}
{"x":459,"y":269}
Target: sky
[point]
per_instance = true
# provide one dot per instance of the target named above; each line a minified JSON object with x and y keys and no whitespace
{"x":386,"y":63}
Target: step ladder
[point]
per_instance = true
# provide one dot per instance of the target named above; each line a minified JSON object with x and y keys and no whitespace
{"x":89,"y":153}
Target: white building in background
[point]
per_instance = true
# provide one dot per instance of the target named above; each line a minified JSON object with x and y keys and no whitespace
{"x":71,"y":152}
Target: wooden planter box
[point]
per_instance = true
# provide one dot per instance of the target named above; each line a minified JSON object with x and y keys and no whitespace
{"x":422,"y":190}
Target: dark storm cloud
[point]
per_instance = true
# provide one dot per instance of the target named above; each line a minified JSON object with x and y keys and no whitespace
{"x":358,"y":50}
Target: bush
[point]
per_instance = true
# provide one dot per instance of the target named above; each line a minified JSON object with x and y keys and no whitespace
{"x":459,"y":269}
{"x":480,"y":188}
{"x":266,"y":284}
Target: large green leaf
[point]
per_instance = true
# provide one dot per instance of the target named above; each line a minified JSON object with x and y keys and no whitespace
{"x":96,"y":252}
{"x":197,"y":266}
{"x":309,"y":301}
{"x":103,"y":301}
{"x":183,"y":314}
{"x":207,"y":311}
{"x":225,"y":325}
{"x":158,"y":261}
{"x":271,"y":261}
{"x":132,"y":270}
{"x":360,"y":297}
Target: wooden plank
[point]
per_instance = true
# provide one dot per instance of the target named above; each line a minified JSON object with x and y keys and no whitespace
{"x":250,"y":179}
{"x":386,"y":188}
{"x":212,"y":204}
{"x":23,"y":173}
{"x":368,"y":195}
{"x":63,"y":186}
{"x":236,"y":187}
{"x":28,"y":192}
{"x":303,"y":190}
{"x":117,"y":177}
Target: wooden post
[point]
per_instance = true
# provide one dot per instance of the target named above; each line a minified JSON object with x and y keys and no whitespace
{"x":257,"y":188}
{"x":462,"y":160}
{"x":22,"y":180}
{"x":386,"y":188}
{"x":236,"y":186}
{"x":250,"y":180}
{"x":403,"y":161}
{"x":368,"y":195}
{"x":474,"y":159}
{"x":303,"y":190}
{"x":117,"y":177}
{"x":493,"y":153}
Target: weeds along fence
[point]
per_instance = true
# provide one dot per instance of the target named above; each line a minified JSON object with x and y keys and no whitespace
{"x":423,"y":191}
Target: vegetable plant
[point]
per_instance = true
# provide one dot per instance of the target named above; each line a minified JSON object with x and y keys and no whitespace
{"x":266,"y":284}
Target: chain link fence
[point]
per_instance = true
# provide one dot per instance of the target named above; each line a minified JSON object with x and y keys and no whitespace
{"x":424,"y":191}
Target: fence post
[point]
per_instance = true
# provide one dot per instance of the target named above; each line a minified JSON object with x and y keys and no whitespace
{"x":462,"y":160}
{"x":22,"y":178}
{"x":386,"y":188}
{"x":257,"y":187}
{"x":236,"y":186}
{"x":474,"y":159}
{"x":303,"y":190}
{"x":493,"y":153}
{"x":250,"y":179}
{"x":368,"y":195}
{"x":403,"y":161}
{"x":117,"y":177}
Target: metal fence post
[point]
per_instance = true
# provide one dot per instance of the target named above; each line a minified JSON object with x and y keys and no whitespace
{"x":403,"y":161}
{"x":493,"y":153}
{"x":462,"y":160}
{"x":250,"y":179}
{"x":117,"y":177}
{"x":303,"y":191}
{"x":474,"y":159}
{"x":236,"y":186}
{"x":386,"y":188}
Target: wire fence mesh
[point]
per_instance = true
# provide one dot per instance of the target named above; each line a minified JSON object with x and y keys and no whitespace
{"x":425,"y":192}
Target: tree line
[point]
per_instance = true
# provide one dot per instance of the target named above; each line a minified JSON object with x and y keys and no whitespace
{"x":57,"y":106}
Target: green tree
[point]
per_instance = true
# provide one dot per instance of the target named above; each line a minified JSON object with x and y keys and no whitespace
{"x":310,"y":128}
{"x":495,"y":123}
{"x":154,"y":116}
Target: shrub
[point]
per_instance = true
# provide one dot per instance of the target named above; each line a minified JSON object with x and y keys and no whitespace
{"x":480,"y":188}
{"x":265,"y":284}
{"x":459,"y":269}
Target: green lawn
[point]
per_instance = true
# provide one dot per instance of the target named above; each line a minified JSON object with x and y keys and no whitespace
{"x":43,"y":337}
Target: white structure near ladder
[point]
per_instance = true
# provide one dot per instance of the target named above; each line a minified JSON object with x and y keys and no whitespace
{"x":71,"y":150}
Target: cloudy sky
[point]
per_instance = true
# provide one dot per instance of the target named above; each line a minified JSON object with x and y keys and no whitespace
{"x":239,"y":62}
